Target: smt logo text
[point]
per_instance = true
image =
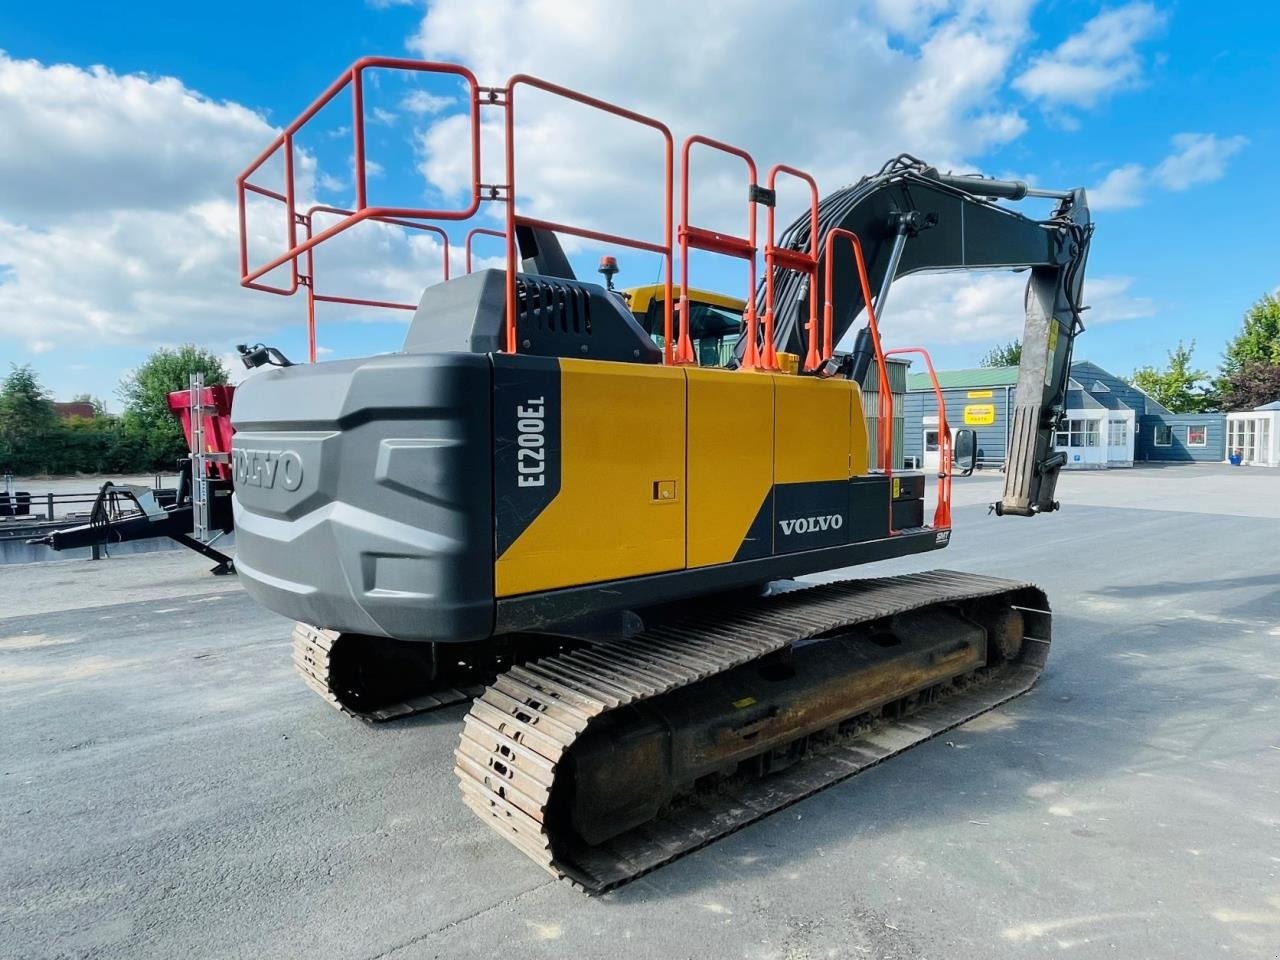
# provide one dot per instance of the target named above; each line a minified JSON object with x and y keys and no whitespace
{"x":267,"y":468}
{"x":811,"y":524}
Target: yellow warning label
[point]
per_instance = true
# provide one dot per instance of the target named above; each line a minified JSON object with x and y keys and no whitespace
{"x":979,"y":414}
{"x":897,"y":488}
{"x":1053,"y":345}
{"x":980,"y":394}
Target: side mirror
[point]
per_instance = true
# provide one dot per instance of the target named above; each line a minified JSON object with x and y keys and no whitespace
{"x":964,"y":447}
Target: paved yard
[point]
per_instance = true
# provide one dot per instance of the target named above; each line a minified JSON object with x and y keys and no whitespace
{"x":169,"y":789}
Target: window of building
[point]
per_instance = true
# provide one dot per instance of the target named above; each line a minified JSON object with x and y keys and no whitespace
{"x":1250,"y":437}
{"x":1117,"y":433}
{"x":1196,"y":435}
{"x":1164,"y":435}
{"x":931,"y":441}
{"x":1079,"y":433}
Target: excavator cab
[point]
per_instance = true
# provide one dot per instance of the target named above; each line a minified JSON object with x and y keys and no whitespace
{"x":715,"y":320}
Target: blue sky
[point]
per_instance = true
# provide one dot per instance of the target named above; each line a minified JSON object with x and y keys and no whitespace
{"x":116,"y":183}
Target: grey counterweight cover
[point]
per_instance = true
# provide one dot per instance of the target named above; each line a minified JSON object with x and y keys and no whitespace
{"x":363,"y":494}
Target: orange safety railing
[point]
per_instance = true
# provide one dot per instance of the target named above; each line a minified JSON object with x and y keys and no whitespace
{"x":760,"y":349}
{"x":251,"y":274}
{"x":353,"y":77}
{"x":942,"y":513}
{"x":713,"y":241}
{"x":514,"y":218}
{"x":309,"y":278}
{"x":776,"y":258}
{"x":884,"y":413}
{"x":479,"y":232}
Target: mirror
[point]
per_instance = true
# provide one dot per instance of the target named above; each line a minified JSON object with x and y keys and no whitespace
{"x":964,"y":451}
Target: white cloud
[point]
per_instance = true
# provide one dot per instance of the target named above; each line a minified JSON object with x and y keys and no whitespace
{"x":834,"y":91}
{"x":1197,"y":158}
{"x":1200,"y":158}
{"x":422,"y":102}
{"x":1120,"y":189}
{"x":117,"y":224}
{"x":954,"y":308}
{"x":81,"y":141}
{"x":1099,"y":60}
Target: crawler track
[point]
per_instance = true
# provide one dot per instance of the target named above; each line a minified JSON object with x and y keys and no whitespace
{"x":314,"y":655}
{"x":515,"y":759}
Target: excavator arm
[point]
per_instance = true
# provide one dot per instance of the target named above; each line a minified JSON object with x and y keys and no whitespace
{"x":912,"y":219}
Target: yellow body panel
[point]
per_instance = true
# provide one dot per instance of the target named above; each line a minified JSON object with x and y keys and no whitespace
{"x":859,"y":436}
{"x":811,"y":429}
{"x":730,"y":459}
{"x":620,"y":509}
{"x":663,"y":468}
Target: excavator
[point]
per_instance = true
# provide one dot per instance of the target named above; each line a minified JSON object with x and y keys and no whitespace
{"x":563,"y":514}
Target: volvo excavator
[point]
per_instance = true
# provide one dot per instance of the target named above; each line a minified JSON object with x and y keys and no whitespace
{"x":596,"y":540}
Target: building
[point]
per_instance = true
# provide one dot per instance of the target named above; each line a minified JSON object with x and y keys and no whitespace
{"x":897,"y":373}
{"x":1255,"y":435}
{"x":73,"y":408}
{"x":1109,"y":422}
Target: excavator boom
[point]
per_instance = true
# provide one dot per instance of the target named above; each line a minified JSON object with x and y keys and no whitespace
{"x":912,"y":219}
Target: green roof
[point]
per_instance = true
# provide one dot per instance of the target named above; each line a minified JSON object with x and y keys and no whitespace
{"x":966,"y":379}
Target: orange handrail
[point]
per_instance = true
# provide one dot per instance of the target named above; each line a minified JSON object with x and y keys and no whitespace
{"x":702,"y":239}
{"x":514,"y":219}
{"x":776,"y":257}
{"x":353,"y":76}
{"x":309,"y":279}
{"x":884,"y":414}
{"x":479,"y":232}
{"x":942,"y":513}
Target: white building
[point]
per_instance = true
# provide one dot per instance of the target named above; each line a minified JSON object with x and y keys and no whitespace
{"x":1255,"y":435}
{"x":1099,"y":430}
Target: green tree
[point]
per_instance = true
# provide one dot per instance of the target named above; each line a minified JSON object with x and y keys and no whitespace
{"x":1004,"y":355}
{"x":147,"y":419}
{"x":1250,"y":385}
{"x":1178,"y":386}
{"x":1259,"y":339}
{"x":26,"y":421}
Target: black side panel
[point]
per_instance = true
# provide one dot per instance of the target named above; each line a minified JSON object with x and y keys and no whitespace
{"x":908,"y":486}
{"x":908,"y":514}
{"x":541,"y":611}
{"x":527,"y":448}
{"x":868,"y":508}
{"x":809,"y":516}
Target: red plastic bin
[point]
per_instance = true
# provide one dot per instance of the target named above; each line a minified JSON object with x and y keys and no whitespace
{"x":217,"y":422}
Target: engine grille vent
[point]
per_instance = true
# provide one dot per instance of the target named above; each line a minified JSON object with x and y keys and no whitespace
{"x":549,"y":307}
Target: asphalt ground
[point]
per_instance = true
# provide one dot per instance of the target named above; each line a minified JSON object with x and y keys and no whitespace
{"x":168,"y":787}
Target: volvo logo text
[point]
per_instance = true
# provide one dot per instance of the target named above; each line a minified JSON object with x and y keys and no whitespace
{"x":267,"y":468}
{"x":811,"y":524}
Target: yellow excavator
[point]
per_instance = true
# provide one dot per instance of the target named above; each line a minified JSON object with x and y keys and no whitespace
{"x":552,"y":503}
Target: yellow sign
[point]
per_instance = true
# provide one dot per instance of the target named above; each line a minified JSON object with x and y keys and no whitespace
{"x":980,"y":394}
{"x":979,"y":415}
